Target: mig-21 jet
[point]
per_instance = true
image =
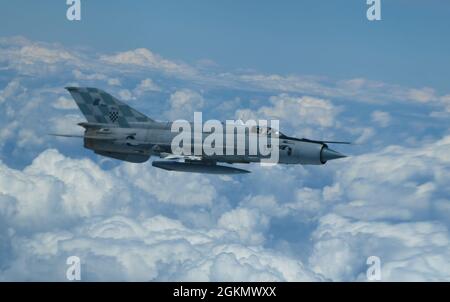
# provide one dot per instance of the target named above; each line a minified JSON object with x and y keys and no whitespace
{"x":114,"y":129}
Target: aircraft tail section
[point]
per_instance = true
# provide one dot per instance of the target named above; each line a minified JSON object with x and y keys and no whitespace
{"x":99,"y":106}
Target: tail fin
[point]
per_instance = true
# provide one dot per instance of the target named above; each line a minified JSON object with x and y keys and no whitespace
{"x":99,"y":106}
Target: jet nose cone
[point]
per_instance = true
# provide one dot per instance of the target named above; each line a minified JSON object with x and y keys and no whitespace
{"x":329,"y":154}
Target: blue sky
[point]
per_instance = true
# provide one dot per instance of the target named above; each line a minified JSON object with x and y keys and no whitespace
{"x":319,"y":67}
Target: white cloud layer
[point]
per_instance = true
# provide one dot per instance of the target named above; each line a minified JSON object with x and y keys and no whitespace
{"x":103,"y":225}
{"x":59,"y":206}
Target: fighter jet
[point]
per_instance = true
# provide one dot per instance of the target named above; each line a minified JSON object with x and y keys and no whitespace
{"x":115,"y":130}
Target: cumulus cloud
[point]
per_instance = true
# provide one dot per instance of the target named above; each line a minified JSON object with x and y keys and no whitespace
{"x":358,"y":89}
{"x":197,"y":191}
{"x":396,"y":183}
{"x":183,"y":104}
{"x":126,"y":95}
{"x":306,"y":110}
{"x":296,"y":110}
{"x":157,"y":248}
{"x":114,"y":82}
{"x":392,"y":204}
{"x":64,"y":103}
{"x":66,"y":124}
{"x":116,"y":242}
{"x":79,"y":75}
{"x":27,"y":57}
{"x":417,"y":251}
{"x":422,"y":95}
{"x":143,"y":57}
{"x":146,"y":85}
{"x":52,"y":186}
{"x":10,"y":89}
{"x":59,"y":206}
{"x":247,"y":223}
{"x":305,"y":115}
